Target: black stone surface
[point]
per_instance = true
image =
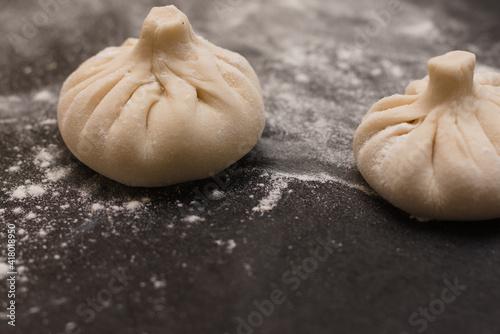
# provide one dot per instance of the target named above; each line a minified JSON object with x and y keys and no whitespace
{"x":199,"y":256}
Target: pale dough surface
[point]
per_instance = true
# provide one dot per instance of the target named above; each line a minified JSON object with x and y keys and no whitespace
{"x":434,"y":152}
{"x":162,"y":109}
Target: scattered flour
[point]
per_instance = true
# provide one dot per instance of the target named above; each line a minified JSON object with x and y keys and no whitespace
{"x":218,"y":195}
{"x":423,"y":29}
{"x":49,"y":121}
{"x":14,"y":169}
{"x":159,"y":284}
{"x":34,"y":310}
{"x":8,"y":120}
{"x":302,"y":78}
{"x":231,"y":245}
{"x":279,"y":182}
{"x":35,"y":190}
{"x":193,"y":219}
{"x":18,"y":210}
{"x":248,"y":269}
{"x":56,"y":174}
{"x":271,"y":200}
{"x":70,"y":327}
{"x":44,"y":96}
{"x":394,"y":69}
{"x":325,"y":178}
{"x":19,"y":193}
{"x":44,"y":158}
{"x":97,"y":207}
{"x":22,"y":192}
{"x":132,"y":205}
{"x":4,"y":269}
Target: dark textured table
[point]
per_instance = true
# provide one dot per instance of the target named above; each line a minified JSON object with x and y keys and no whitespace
{"x":288,"y":240}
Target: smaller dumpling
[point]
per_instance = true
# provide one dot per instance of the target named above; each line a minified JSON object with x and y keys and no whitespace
{"x":165,"y":108}
{"x":434,"y":152}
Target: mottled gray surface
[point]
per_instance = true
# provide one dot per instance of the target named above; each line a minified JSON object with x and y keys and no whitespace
{"x":199,"y":254}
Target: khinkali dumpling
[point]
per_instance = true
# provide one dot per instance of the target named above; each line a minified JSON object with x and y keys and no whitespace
{"x":162,"y":109}
{"x":434,"y":152}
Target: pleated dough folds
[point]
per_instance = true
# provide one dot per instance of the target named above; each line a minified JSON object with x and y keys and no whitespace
{"x":434,"y":152}
{"x":162,"y":109}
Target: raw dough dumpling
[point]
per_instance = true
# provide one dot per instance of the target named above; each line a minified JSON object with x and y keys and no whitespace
{"x":162,"y":109}
{"x":434,"y":152}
